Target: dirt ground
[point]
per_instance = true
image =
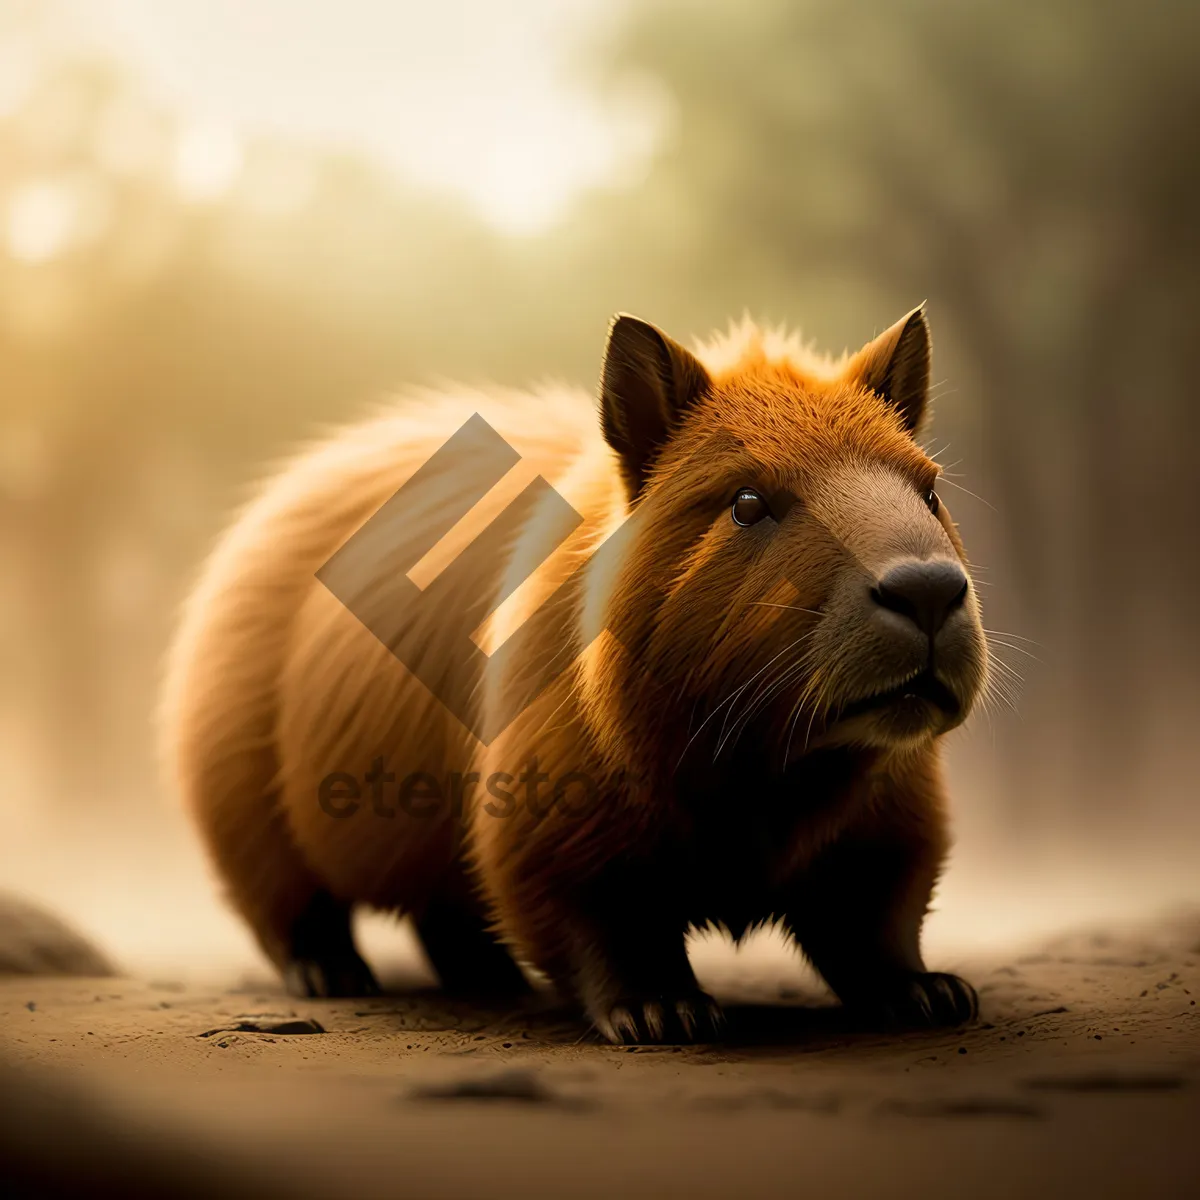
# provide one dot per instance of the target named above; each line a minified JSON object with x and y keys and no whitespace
{"x":1083,"y":1078}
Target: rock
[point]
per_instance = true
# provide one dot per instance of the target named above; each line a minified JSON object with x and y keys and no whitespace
{"x":35,"y":942}
{"x":288,"y":1028}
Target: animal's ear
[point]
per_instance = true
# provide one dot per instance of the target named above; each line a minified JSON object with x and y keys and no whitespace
{"x":647,"y":384}
{"x":896,"y":366}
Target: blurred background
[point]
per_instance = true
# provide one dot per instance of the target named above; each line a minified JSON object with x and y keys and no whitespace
{"x":225,"y":225}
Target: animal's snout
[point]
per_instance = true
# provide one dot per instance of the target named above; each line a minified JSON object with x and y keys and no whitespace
{"x":926,"y":592}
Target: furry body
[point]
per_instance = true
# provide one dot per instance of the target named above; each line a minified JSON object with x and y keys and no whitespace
{"x":687,"y":745}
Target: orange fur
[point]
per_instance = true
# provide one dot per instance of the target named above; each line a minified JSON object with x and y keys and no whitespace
{"x":274,"y":686}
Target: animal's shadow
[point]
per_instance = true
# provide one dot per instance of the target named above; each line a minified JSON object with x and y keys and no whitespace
{"x":542,"y":1019}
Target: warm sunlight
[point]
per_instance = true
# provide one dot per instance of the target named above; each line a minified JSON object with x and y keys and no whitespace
{"x":412,"y":417}
{"x":467,"y":97}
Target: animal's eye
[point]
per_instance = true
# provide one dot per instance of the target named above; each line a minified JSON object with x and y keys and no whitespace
{"x":931,"y":501}
{"x":749,"y":507}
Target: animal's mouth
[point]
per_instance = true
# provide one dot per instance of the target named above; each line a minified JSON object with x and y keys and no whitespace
{"x":922,"y":688}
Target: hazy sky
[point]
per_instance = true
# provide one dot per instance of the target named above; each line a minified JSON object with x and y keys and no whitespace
{"x":475,"y":96}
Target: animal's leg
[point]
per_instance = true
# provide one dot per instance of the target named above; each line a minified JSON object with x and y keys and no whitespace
{"x":857,"y":913}
{"x":322,"y":959}
{"x":465,"y":953}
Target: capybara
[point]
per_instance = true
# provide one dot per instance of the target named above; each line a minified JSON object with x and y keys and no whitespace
{"x":563,"y":680}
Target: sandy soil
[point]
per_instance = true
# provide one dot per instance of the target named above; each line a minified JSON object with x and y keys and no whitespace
{"x":1083,"y":1078}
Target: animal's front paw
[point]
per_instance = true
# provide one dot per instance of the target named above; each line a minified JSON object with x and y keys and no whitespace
{"x":309,"y":978}
{"x":695,"y":1017}
{"x":928,"y":1000}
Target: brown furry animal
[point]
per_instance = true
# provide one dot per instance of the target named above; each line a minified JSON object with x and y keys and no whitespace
{"x":715,"y":695}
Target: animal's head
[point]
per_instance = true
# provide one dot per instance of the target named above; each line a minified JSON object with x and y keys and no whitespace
{"x":791,"y":566}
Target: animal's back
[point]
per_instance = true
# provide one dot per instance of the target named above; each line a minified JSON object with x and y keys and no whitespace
{"x":276,"y":685}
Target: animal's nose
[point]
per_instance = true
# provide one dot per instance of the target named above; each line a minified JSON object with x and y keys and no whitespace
{"x":924,"y":592}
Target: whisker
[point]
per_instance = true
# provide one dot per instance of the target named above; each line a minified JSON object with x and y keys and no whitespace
{"x":972,"y":494}
{"x":995,"y":641}
{"x":794,"y":607}
{"x":1019,"y":637}
{"x":812,"y":716}
{"x":760,"y":695}
{"x":764,"y":695}
{"x":1001,"y":660}
{"x":995,"y":698}
{"x":733,"y":696}
{"x":1006,"y":675}
{"x":811,"y":692}
{"x":998,"y":694}
{"x":1006,"y":672}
